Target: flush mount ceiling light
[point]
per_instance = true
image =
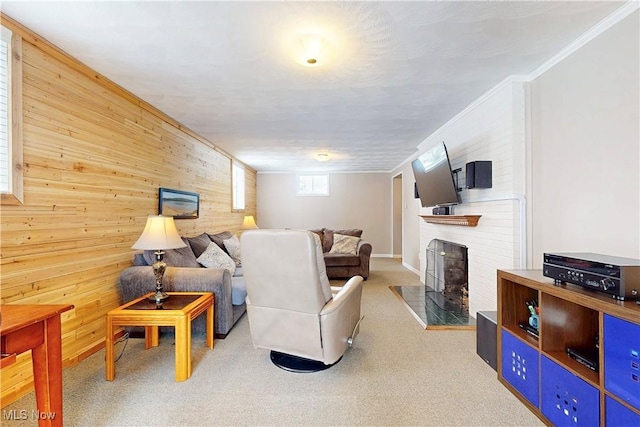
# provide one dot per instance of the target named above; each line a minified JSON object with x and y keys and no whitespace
{"x":322,"y":157}
{"x":314,"y":50}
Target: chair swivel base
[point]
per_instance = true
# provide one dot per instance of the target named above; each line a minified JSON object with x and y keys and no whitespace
{"x":297,"y":364}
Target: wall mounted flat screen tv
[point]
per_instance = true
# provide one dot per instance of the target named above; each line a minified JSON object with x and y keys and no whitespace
{"x":434,"y":178}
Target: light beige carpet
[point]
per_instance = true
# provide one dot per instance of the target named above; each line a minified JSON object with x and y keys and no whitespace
{"x":396,"y":374}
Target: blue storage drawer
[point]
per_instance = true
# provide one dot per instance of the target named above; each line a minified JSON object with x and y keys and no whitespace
{"x":617,"y":415}
{"x":622,"y":359}
{"x":566,"y":399}
{"x":520,"y":366}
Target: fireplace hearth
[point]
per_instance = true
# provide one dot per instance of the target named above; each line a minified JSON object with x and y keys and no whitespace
{"x":444,"y":300}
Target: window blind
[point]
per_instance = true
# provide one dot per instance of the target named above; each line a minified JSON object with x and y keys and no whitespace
{"x":5,"y":109}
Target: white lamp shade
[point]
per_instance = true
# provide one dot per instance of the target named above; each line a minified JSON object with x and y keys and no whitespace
{"x":159,"y":233}
{"x":249,"y":223}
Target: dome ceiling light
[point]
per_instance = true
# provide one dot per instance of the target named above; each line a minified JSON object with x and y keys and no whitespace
{"x":322,"y":157}
{"x":314,"y":50}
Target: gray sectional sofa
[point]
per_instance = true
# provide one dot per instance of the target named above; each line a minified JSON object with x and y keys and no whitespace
{"x":184,"y":273}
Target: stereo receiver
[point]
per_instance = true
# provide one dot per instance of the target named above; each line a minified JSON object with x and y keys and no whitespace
{"x":618,"y":277}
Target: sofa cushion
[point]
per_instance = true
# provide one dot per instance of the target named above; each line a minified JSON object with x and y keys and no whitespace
{"x":238,"y":290}
{"x":341,"y":260}
{"x":181,"y":257}
{"x":343,"y":244}
{"x":219,"y":238}
{"x":199,"y":244}
{"x":327,"y":236}
{"x":232,"y":245}
{"x":214,"y":257}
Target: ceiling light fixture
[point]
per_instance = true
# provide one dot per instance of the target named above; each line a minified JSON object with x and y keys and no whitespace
{"x":322,"y":157}
{"x":314,"y":50}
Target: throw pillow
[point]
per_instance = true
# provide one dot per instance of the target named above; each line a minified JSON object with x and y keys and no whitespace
{"x":199,"y":243}
{"x":181,"y":257}
{"x":233,"y":248}
{"x":343,"y":244}
{"x":218,"y":238}
{"x":214,"y":257}
{"x":327,"y":236}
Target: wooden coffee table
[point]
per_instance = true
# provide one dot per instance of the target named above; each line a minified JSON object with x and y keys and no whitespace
{"x":178,"y":311}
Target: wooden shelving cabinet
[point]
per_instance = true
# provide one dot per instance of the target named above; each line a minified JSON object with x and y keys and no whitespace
{"x":538,"y":370}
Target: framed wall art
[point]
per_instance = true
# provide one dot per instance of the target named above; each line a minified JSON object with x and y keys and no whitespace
{"x":178,"y":204}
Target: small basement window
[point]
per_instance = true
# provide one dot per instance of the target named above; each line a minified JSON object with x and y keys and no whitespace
{"x":313,"y":185}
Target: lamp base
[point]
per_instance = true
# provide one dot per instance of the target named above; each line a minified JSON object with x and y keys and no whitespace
{"x":159,"y":297}
{"x":158,"y":271}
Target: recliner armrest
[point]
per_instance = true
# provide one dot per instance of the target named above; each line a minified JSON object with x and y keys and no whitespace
{"x":350,"y":288}
{"x":339,"y":319}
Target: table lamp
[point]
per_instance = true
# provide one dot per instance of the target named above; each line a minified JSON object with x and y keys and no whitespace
{"x":248,"y":223}
{"x":159,"y":233}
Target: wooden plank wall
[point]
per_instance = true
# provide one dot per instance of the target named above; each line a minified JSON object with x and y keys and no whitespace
{"x":94,"y":157}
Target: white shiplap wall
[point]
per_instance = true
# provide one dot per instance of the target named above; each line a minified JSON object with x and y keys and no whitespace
{"x":493,"y":128}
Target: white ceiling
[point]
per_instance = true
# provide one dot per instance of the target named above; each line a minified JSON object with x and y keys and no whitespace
{"x":399,"y":71}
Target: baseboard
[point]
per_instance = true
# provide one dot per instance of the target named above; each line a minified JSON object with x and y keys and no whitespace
{"x":410,"y":268}
{"x":90,"y":351}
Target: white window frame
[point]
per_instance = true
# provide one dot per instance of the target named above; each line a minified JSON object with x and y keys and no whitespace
{"x":313,"y":191}
{"x":13,"y":194}
{"x":238,"y":195}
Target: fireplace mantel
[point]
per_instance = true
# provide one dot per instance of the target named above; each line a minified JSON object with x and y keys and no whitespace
{"x":466,"y":220}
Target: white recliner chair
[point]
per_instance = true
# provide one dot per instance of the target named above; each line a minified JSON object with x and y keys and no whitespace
{"x":293,"y":311}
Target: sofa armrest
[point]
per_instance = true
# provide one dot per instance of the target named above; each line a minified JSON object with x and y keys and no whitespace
{"x":137,"y":281}
{"x":364,"y":248}
{"x":364,"y":252}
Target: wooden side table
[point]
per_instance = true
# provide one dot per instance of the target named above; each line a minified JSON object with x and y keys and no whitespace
{"x":37,"y":328}
{"x":178,"y":311}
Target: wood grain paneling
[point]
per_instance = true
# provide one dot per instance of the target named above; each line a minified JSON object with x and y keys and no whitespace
{"x":94,"y":157}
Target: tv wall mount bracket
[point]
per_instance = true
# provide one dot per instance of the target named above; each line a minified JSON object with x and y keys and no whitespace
{"x":455,"y":174}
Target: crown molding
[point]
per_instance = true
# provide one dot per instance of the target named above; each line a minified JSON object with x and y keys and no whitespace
{"x":317,"y":172}
{"x":602,"y":26}
{"x":426,"y":143}
{"x":585,"y":38}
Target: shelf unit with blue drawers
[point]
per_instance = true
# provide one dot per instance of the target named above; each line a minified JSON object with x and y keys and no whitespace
{"x":537,"y":369}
